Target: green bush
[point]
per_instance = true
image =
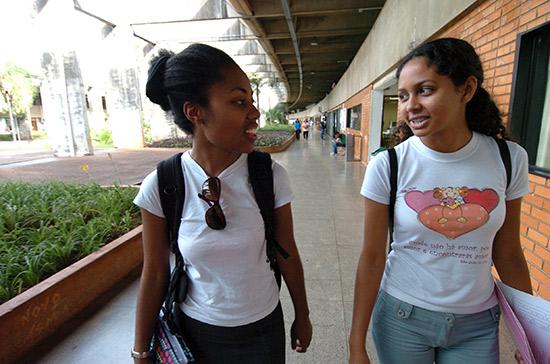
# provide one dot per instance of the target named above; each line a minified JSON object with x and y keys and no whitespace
{"x":104,"y":136}
{"x":6,"y":138}
{"x":48,"y":226}
{"x":277,"y":127}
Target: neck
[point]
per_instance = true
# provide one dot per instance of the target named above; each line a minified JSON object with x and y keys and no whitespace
{"x":213,"y":160}
{"x":448,"y":143}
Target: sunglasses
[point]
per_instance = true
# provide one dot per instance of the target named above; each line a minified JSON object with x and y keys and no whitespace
{"x":211,"y":189}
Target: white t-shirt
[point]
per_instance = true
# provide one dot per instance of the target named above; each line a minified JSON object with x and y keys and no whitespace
{"x":449,"y":206}
{"x":230,"y":282}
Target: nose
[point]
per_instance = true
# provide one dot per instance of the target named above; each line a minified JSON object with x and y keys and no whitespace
{"x":254,"y":113}
{"x":412,"y":104}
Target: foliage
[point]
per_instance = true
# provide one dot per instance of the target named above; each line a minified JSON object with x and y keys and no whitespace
{"x":104,"y":136}
{"x":19,"y":84}
{"x":256,"y":82}
{"x":5,"y":137}
{"x":278,"y":127}
{"x":270,"y":138}
{"x":276,"y":114}
{"x":180,"y":142}
{"x":147,"y":136}
{"x":48,"y":226}
{"x":272,"y":134}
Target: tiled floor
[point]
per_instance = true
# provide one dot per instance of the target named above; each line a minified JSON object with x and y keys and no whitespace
{"x":328,"y":222}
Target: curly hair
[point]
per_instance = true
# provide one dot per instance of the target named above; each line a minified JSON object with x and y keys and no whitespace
{"x":458,"y":60}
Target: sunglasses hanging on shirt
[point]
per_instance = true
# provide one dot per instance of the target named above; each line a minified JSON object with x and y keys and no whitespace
{"x":211,"y":189}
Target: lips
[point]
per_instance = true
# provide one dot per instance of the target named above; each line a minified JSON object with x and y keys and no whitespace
{"x":418,"y":122}
{"x":251,"y":133}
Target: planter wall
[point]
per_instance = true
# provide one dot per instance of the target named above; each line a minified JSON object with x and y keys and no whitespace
{"x":277,"y":148}
{"x":37,"y":313}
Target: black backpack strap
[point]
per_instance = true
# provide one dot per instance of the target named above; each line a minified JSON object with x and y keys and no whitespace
{"x":261,"y":179}
{"x":171,"y":185}
{"x":506,"y":159}
{"x":393,"y":191}
{"x":172,"y":196}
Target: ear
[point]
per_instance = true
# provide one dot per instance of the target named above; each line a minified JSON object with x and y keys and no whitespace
{"x":469,"y":88}
{"x":193,"y":112}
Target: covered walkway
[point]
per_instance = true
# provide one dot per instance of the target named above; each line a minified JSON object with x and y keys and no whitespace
{"x":328,"y":222}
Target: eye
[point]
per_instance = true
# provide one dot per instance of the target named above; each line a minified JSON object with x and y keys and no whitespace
{"x":240,"y":102}
{"x":403,"y":96}
{"x":425,"y":90}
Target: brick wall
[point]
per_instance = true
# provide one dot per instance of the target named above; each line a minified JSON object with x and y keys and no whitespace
{"x":492,"y":28}
{"x":363,"y":97}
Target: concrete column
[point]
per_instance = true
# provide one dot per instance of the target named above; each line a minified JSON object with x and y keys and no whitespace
{"x":62,"y":90}
{"x":122,"y":93}
{"x":64,"y":105}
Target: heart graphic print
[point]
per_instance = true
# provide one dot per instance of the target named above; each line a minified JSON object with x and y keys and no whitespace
{"x":452,"y":211}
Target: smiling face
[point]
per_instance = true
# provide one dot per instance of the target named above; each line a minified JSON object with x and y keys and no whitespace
{"x":228,"y":124}
{"x":433,"y":107}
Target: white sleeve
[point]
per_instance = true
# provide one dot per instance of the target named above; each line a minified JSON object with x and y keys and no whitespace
{"x":281,"y":185}
{"x":148,"y":196}
{"x":519,"y":183}
{"x":376,"y":183}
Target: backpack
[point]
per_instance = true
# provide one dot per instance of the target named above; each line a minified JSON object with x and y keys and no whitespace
{"x":504,"y":155}
{"x":171,"y":186}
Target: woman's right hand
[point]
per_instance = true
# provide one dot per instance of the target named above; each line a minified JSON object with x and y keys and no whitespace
{"x":359,"y":357}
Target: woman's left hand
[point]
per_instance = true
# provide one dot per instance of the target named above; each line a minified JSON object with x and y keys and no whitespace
{"x":300,"y":334}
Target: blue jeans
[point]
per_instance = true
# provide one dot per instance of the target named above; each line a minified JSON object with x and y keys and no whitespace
{"x":404,"y":333}
{"x":261,"y":342}
{"x":335,"y":146}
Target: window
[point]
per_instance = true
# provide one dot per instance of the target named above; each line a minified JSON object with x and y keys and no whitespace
{"x":530,"y":105}
{"x":354,"y":118}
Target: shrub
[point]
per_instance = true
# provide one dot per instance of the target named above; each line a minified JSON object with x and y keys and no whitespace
{"x":48,"y":226}
{"x":277,"y":127}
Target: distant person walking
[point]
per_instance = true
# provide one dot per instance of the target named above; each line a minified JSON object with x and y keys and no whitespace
{"x":323,"y":126}
{"x":297,"y":128}
{"x":305,"y":129}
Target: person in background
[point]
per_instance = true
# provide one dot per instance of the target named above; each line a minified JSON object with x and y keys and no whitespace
{"x":305,"y":129}
{"x":297,"y":128}
{"x":432,"y":299}
{"x":232,"y":312}
{"x":337,"y":142}
{"x":323,"y":125}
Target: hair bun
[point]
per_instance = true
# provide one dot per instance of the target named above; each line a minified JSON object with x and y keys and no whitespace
{"x":154,"y":88}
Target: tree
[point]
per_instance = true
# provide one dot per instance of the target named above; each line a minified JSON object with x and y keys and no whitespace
{"x":256,"y":82}
{"x":276,"y":114}
{"x":18,"y":92}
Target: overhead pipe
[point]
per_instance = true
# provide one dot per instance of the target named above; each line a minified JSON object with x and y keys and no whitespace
{"x":288,"y":17}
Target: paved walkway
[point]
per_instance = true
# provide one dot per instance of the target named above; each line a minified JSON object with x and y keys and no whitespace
{"x":328,"y":219}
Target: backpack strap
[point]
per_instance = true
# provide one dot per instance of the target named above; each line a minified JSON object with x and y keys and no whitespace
{"x":171,"y":185}
{"x":261,"y":178}
{"x":393,"y":191}
{"x":172,"y":196}
{"x":506,"y":159}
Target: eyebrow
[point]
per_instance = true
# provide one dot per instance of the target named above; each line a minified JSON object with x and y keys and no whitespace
{"x":419,"y":83}
{"x":239,"y":89}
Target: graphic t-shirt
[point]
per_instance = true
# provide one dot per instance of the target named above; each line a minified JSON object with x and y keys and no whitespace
{"x":448,"y":209}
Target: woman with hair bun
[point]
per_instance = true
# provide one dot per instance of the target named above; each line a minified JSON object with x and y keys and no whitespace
{"x":232,"y":312}
{"x":432,"y":299}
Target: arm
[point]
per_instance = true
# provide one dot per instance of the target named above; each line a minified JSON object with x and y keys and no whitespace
{"x":507,"y":254}
{"x":154,"y":279}
{"x":369,"y":274}
{"x":293,"y":274}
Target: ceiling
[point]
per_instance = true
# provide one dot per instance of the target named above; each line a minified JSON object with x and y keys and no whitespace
{"x":327,"y":35}
{"x":303,"y":45}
